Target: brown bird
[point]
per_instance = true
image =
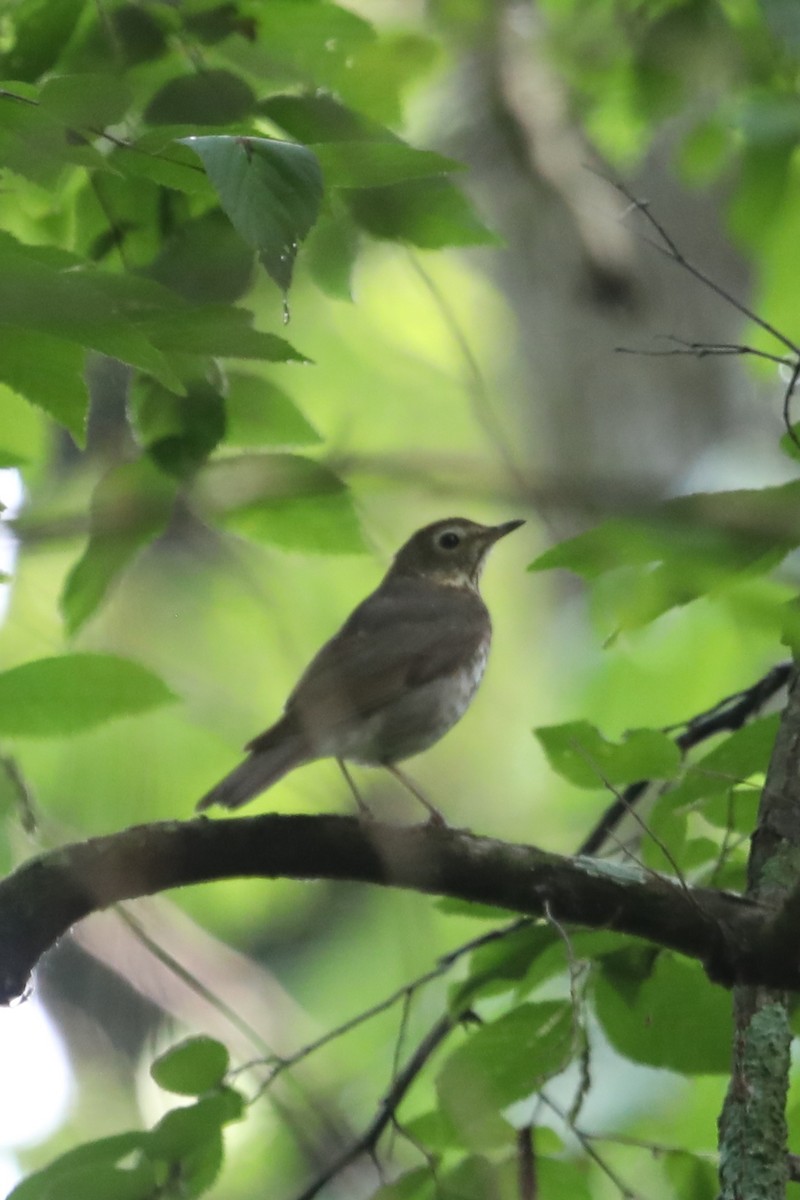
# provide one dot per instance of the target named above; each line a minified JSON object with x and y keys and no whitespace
{"x":399,"y":673}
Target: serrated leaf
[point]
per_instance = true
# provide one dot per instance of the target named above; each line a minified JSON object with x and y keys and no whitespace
{"x":52,"y":292}
{"x":219,"y":330}
{"x":262,"y":414}
{"x":48,"y":372}
{"x":194,"y":1066}
{"x":429,"y":213}
{"x":284,"y":500}
{"x":580,"y":753}
{"x":367,"y":164}
{"x":502,"y":1062}
{"x":675,"y":1018}
{"x":53,"y":697}
{"x":130,"y":506}
{"x":271,"y":191}
{"x":689,"y":547}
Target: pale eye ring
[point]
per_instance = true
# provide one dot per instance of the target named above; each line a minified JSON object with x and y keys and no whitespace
{"x":449,"y":540}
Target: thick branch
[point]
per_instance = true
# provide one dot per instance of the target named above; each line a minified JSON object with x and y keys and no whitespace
{"x":44,"y":897}
{"x":753,"y":1132}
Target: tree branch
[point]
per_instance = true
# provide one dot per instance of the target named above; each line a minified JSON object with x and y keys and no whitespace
{"x":44,"y":897}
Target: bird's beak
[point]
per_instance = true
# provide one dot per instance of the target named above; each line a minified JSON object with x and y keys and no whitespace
{"x":495,"y":532}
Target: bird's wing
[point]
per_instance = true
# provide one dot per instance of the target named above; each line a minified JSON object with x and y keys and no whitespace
{"x":393,"y":641}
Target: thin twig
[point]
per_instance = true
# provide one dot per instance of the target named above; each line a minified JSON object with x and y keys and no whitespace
{"x":588,"y":1149}
{"x":668,"y":247}
{"x":390,"y":1102}
{"x":191,"y":981}
{"x":527,"y":1185}
{"x":705,"y":350}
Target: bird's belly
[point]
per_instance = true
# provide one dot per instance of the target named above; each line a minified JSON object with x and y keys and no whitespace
{"x":417,"y":719}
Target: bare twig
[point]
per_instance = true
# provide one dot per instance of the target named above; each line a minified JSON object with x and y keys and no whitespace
{"x":590,"y":1150}
{"x":387,"y":1108}
{"x":527,"y":1186}
{"x":666,"y":245}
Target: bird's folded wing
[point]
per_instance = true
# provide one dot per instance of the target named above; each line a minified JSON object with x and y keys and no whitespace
{"x":384,"y":649}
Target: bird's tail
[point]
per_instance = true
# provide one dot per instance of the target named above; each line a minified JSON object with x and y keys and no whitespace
{"x":272,"y":755}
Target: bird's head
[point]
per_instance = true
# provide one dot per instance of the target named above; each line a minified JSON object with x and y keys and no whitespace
{"x":450,"y":552}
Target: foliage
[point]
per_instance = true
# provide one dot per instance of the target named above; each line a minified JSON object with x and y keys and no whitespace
{"x":170,"y":172}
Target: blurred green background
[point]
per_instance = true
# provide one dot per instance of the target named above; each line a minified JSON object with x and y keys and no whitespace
{"x":470,"y":368}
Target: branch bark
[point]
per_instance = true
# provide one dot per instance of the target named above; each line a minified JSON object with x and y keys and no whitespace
{"x":753,"y":1151}
{"x":44,"y":897}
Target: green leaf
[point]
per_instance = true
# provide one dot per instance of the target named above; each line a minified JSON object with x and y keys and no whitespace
{"x":675,"y":1019}
{"x":185,"y":1131}
{"x":419,"y":1184}
{"x":499,"y":964}
{"x":218,"y":330}
{"x":262,"y":414}
{"x":558,"y":1178}
{"x":331,"y":252}
{"x":131,"y":505}
{"x":690,"y":547}
{"x":349,"y":164}
{"x":271,"y":191}
{"x":173,"y":166}
{"x":41,"y":30}
{"x":23,"y":435}
{"x":35,"y":145}
{"x":474,"y":1178}
{"x":194,"y":1066}
{"x":178,"y":432}
{"x":735,"y":809}
{"x":52,"y":292}
{"x":692,"y":1176}
{"x":86,"y":101}
{"x":284,"y":500}
{"x":322,"y":118}
{"x":313,"y":42}
{"x":98,"y":1182}
{"x":578,"y":751}
{"x":789,"y":444}
{"x":429,"y":213}
{"x":48,"y":372}
{"x":54,"y":697}
{"x":51,"y":1181}
{"x":209,"y":97}
{"x":740,"y":755}
{"x":727,"y":530}
{"x":205,"y":261}
{"x":504,"y":1061}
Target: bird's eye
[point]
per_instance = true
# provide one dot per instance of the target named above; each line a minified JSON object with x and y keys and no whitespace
{"x":449,"y":540}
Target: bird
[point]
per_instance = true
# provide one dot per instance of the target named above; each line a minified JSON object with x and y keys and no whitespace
{"x":400,"y":672}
